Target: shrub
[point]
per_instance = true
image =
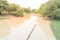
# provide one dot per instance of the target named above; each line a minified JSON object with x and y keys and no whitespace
{"x":20,"y":13}
{"x":17,"y":13}
{"x":27,"y":10}
{"x":56,"y":14}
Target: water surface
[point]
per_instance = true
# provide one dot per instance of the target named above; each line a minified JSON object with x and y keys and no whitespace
{"x":22,"y":32}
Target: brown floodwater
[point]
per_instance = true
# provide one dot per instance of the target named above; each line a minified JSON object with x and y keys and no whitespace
{"x":21,"y":32}
{"x":4,"y":29}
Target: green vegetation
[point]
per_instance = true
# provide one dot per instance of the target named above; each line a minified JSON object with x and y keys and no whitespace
{"x":27,"y":10}
{"x":16,"y":10}
{"x":56,"y":28}
{"x":51,"y":9}
{"x":35,"y":11}
{"x":3,"y":6}
{"x":12,"y":9}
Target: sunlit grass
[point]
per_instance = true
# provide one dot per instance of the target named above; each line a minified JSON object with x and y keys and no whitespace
{"x":56,"y":28}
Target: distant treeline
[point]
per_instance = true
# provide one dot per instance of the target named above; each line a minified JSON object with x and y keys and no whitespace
{"x":13,"y":9}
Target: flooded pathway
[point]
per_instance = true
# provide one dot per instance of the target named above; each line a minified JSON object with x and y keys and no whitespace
{"x":22,"y":32}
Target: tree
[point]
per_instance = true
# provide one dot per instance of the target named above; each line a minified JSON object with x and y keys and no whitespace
{"x":47,"y":9}
{"x":56,"y":13}
{"x":13,"y":7}
{"x":16,"y":10}
{"x":27,"y":10}
{"x":42,"y":9}
{"x":51,"y":9}
{"x":35,"y":10}
{"x":3,"y":5}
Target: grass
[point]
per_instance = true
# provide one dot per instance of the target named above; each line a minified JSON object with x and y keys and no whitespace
{"x":56,"y":28}
{"x":2,"y":17}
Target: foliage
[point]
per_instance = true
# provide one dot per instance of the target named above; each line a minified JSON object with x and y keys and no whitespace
{"x":13,"y":7}
{"x":56,"y":14}
{"x":51,"y":9}
{"x":35,"y":11}
{"x":27,"y":10}
{"x":3,"y":5}
{"x":57,"y":2}
{"x":42,"y":9}
{"x":10,"y":9}
{"x":17,"y":13}
{"x":15,"y":10}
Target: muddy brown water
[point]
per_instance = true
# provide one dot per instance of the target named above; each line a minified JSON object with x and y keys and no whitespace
{"x":8,"y":32}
